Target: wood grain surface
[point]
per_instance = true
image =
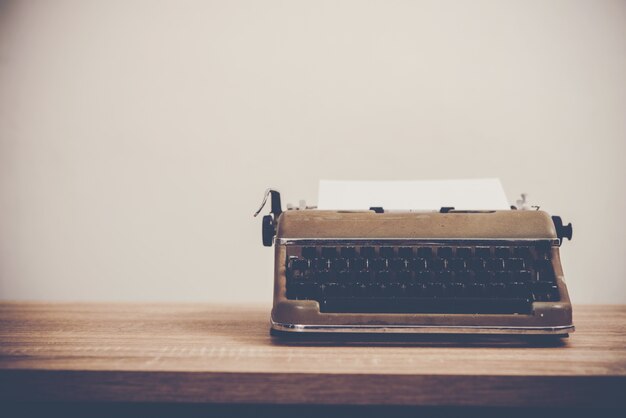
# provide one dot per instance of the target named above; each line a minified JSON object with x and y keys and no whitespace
{"x":126,"y":352}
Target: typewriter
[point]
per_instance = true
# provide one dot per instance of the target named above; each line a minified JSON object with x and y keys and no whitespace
{"x":439,"y":272}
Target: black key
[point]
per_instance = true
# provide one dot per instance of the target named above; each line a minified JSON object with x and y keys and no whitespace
{"x":553,"y":295}
{"x":476,"y":264}
{"x":482,"y":252}
{"x":303,"y":290}
{"x":444,"y":252}
{"x":367,"y":252}
{"x":523,"y":276}
{"x":424,"y":252}
{"x":405,"y":252}
{"x":414,"y":289}
{"x":378,"y":264}
{"x":309,"y":252}
{"x":358,"y":264}
{"x":522,"y":252}
{"x":475,"y":290}
{"x":375,"y":290}
{"x":395,"y":290}
{"x":514,"y":264}
{"x":404,"y":276}
{"x":544,"y":250}
{"x":298,"y":275}
{"x":456,"y":264}
{"x":356,"y":290}
{"x":455,"y":289}
{"x":363,"y":276}
{"x":322,"y":287}
{"x":330,"y":265}
{"x":464,"y":252}
{"x":445,"y":276}
{"x":339,"y":264}
{"x":334,"y":290}
{"x":386,"y":252}
{"x":543,"y":264}
{"x":434,"y":290}
{"x":518,"y":290}
{"x":495,"y":264}
{"x":465,"y":276}
{"x":344,"y":276}
{"x":345,"y":290}
{"x":545,"y":271}
{"x":385,"y":290}
{"x":417,"y":264}
{"x":298,"y":264}
{"x":436,"y":264}
{"x":545,"y":291}
{"x":546,"y":275}
{"x":383,"y":276}
{"x":329,"y":252}
{"x":347,"y":252}
{"x":424,"y":276}
{"x":329,"y":277}
{"x":398,"y":264}
{"x":495,"y":290}
{"x":484,"y":277}
{"x":502,"y":252}
{"x":321,"y":277}
{"x":502,"y":276}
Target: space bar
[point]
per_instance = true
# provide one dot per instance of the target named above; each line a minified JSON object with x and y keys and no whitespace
{"x":427,"y":305}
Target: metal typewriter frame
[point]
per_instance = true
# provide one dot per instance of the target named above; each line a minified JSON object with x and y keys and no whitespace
{"x":421,"y":329}
{"x":335,"y":228}
{"x":416,"y":329}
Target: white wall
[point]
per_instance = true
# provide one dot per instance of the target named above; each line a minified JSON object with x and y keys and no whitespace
{"x":137,"y":137}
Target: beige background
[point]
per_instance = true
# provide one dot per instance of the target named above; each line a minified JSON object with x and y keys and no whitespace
{"x":137,"y":137}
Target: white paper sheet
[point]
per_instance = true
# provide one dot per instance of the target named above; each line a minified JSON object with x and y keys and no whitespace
{"x":465,"y":194}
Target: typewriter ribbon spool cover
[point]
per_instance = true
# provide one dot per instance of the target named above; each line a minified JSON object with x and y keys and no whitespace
{"x":447,"y":271}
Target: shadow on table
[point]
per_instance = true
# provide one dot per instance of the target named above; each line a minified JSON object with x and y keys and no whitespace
{"x":257,"y":331}
{"x":157,"y":410}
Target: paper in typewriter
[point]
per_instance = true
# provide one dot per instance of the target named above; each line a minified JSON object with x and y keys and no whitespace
{"x":466,"y":194}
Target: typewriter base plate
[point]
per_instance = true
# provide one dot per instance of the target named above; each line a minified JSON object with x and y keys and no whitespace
{"x":420,"y":329}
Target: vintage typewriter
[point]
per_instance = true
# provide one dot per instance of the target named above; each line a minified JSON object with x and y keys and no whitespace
{"x":451,"y":271}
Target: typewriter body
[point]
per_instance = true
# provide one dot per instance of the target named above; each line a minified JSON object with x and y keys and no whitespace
{"x":466,"y":272}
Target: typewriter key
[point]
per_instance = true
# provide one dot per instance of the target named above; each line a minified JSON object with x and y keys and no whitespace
{"x":367,"y":252}
{"x":309,"y":252}
{"x":386,"y":252}
{"x":329,"y":252}
{"x":348,"y":252}
{"x":405,"y":252}
{"x":482,"y":252}
{"x":502,"y":252}
{"x":444,"y":252}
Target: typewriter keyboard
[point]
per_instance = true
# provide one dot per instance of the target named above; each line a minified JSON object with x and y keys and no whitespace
{"x":487,"y":279}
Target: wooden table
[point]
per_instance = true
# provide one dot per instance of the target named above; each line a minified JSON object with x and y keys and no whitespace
{"x":199,"y":353}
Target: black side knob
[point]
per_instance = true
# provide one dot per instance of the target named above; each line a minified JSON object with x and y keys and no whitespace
{"x":562,"y":231}
{"x":268,"y":231}
{"x":268,"y":227}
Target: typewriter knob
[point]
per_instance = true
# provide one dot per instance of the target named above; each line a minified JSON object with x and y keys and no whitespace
{"x":268,"y":230}
{"x":562,"y":231}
